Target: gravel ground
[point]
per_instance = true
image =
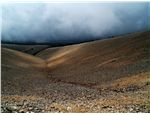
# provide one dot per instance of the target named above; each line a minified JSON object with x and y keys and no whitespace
{"x":63,"y":97}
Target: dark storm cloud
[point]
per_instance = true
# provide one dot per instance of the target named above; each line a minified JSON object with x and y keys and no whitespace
{"x":69,"y":22}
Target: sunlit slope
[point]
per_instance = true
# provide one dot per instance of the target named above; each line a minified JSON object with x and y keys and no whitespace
{"x":19,"y":59}
{"x":101,"y":61}
{"x":20,"y":71}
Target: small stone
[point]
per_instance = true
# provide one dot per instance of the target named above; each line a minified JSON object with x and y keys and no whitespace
{"x":12,"y":108}
{"x":3,"y":110}
{"x":131,"y":109}
{"x":43,"y":111}
{"x":30,"y":108}
{"x":68,"y":108}
{"x":36,"y":108}
{"x":21,"y":111}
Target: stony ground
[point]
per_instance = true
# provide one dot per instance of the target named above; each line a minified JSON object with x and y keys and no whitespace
{"x":64,"y":97}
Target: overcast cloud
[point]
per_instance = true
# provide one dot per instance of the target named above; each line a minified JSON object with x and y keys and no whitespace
{"x":39,"y":22}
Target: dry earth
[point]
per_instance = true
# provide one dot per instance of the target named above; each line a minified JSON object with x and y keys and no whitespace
{"x":102,"y":76}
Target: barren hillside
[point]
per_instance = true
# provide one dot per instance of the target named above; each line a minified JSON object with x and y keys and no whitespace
{"x":100,"y":61}
{"x":110,"y":75}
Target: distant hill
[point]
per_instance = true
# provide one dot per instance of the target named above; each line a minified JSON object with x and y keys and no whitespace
{"x":29,"y":49}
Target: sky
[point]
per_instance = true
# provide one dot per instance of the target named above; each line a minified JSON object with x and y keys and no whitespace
{"x":71,"y":22}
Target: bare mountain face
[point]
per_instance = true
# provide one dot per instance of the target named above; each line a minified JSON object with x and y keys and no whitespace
{"x":29,"y":49}
{"x":100,"y":61}
{"x":99,"y":73}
